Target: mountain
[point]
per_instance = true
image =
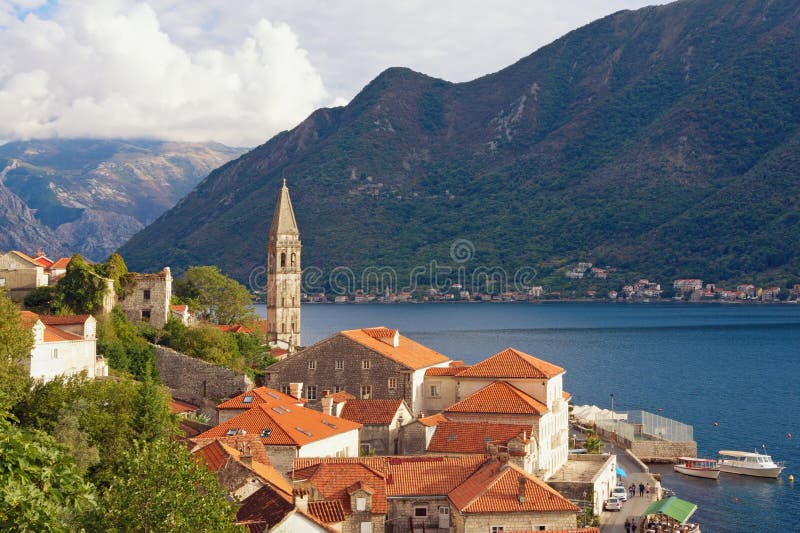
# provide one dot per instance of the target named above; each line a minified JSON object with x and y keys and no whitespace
{"x":663,"y":142}
{"x":90,"y":196}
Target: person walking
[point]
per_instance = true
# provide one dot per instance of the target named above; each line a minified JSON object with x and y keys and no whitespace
{"x":632,"y":490}
{"x":647,"y":489}
{"x":641,"y":490}
{"x":627,"y":525}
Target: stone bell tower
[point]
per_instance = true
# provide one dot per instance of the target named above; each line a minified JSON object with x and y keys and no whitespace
{"x":283,"y":276}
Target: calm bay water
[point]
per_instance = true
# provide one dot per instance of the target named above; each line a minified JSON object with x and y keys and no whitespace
{"x":736,"y":365}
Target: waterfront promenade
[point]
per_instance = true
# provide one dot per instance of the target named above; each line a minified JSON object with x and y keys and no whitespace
{"x":614,"y":522}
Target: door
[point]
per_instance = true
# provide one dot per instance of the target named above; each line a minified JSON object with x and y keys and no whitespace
{"x":444,"y":517}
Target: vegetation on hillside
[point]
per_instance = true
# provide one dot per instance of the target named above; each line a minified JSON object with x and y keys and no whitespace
{"x":662,"y":142}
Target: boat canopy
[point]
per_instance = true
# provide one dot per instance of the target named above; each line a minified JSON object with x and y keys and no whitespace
{"x":673,"y":507}
{"x":696,"y":459}
{"x":733,"y":453}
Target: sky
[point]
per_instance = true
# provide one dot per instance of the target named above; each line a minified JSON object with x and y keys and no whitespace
{"x":240,"y":71}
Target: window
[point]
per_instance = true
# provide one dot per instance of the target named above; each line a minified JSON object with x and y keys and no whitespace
{"x":365,"y":364}
{"x":340,"y":364}
{"x":146,"y":314}
{"x":311,"y":392}
{"x":248,"y":399}
{"x":146,"y":294}
{"x":54,"y":354}
{"x":496,"y":529}
{"x":266,"y":433}
{"x":365,"y":449}
{"x":338,"y":388}
{"x":231,"y":432}
{"x":434,"y":391}
{"x":366,"y":392}
{"x":392,"y":383}
{"x":312,"y":364}
{"x":361,"y":504}
{"x":366,"y":527}
{"x":283,"y":259}
{"x":420,"y":511}
{"x":285,"y":389}
{"x":293,"y":259}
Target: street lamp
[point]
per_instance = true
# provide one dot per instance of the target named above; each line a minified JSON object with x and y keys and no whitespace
{"x":612,"y":404}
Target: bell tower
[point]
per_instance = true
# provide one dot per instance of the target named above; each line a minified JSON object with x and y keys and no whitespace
{"x":283,"y":276}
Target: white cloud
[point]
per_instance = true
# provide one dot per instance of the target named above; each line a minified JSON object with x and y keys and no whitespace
{"x":108,"y":68}
{"x":238,"y":71}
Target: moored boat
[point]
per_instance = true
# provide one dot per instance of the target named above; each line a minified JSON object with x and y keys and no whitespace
{"x":692,"y":466}
{"x":749,"y":464}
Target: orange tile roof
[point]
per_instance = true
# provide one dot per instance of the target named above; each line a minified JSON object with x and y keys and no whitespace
{"x":26,"y":257}
{"x":432,"y":420}
{"x":371,"y":412}
{"x":53,"y":320}
{"x":52,"y":334}
{"x":409,"y":476}
{"x":342,"y":396}
{"x":43,"y":260}
{"x":285,"y":424}
{"x":237,"y":442}
{"x":511,"y":363}
{"x":473,"y":437}
{"x":232,"y":328}
{"x":327,"y":512}
{"x":494,"y":488}
{"x":217,"y":453}
{"x":179,"y":308}
{"x":177,"y":406}
{"x":445,"y":370}
{"x":266,"y":504}
{"x":334,"y":482}
{"x":566,"y":395}
{"x":60,"y":263}
{"x":408,"y":353}
{"x":259,"y":395}
{"x":499,"y":397}
{"x":28,"y":318}
{"x":380,"y":332}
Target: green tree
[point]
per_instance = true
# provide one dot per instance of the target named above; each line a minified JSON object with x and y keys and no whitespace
{"x":41,"y":489}
{"x":216,"y":296}
{"x":151,"y":415}
{"x":41,"y":300}
{"x":593,"y":444}
{"x":16,"y":342}
{"x":81,"y":289}
{"x":160,"y":487}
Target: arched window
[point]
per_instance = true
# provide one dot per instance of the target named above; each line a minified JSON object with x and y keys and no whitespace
{"x":293,"y":260}
{"x":283,"y":259}
{"x":283,"y":328}
{"x":293,"y":328}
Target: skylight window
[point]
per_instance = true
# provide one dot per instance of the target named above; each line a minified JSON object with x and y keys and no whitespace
{"x":277,"y":410}
{"x":266,"y":433}
{"x":272,"y":394}
{"x":231,"y":432}
{"x":303,"y":431}
{"x":247,"y":399}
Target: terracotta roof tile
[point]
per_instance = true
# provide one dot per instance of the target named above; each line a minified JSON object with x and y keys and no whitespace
{"x":42,"y":260}
{"x":445,"y":370}
{"x":333,"y":481}
{"x":259,"y":395}
{"x":25,"y":257}
{"x":28,"y":318}
{"x":60,"y":263}
{"x":511,"y":363}
{"x":177,"y":406}
{"x":217,"y":453}
{"x":53,"y":320}
{"x":283,"y":424}
{"x":566,"y":395}
{"x":371,"y":412}
{"x":179,"y":308}
{"x":52,"y":334}
{"x":232,"y":328}
{"x":473,"y":437}
{"x":267,"y":504}
{"x":327,"y":512}
{"x":432,"y":420}
{"x":494,"y":488}
{"x":577,"y":530}
{"x":213,"y":455}
{"x":499,"y":397}
{"x":408,"y":353}
{"x":237,"y":442}
{"x":342,"y":396}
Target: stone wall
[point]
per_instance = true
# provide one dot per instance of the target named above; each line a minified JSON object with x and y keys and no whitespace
{"x":661,"y":451}
{"x":149,"y":300}
{"x":519,"y":521}
{"x":196,"y":381}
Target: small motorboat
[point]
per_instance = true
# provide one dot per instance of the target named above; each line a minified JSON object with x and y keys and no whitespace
{"x":749,"y":464}
{"x":692,"y":466}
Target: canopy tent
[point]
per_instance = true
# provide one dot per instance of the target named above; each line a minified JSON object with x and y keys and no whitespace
{"x":673,"y":507}
{"x":621,"y":472}
{"x":589,"y":414}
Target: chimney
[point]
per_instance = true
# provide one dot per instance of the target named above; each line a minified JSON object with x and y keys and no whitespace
{"x":301,"y":499}
{"x":246,"y":454}
{"x":296,"y":390}
{"x":521,"y":493}
{"x":492,"y":449}
{"x":327,"y":405}
{"x":503,"y":457}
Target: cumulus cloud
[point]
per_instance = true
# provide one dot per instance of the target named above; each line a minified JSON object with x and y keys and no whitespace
{"x":108,"y":68}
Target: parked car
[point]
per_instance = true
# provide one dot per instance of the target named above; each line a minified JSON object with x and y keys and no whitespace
{"x":620,"y":492}
{"x":613,"y":504}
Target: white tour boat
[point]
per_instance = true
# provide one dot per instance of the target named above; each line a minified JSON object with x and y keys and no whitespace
{"x":692,"y":466}
{"x":749,"y":464}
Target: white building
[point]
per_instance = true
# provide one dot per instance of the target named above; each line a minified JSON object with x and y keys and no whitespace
{"x":63,"y":345}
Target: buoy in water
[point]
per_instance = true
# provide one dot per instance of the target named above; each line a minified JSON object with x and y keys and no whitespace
{"x":716,"y":424}
{"x":791,"y":478}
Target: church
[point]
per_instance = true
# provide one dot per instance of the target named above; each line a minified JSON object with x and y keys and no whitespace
{"x":283,"y":276}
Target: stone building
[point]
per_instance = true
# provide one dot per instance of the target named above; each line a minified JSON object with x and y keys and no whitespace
{"x":149,"y":299}
{"x":369,"y":363}
{"x":381,"y":421}
{"x":283,"y":276}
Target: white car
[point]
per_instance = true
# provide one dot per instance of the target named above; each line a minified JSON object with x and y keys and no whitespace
{"x":613,"y":504}
{"x":620,"y":492}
